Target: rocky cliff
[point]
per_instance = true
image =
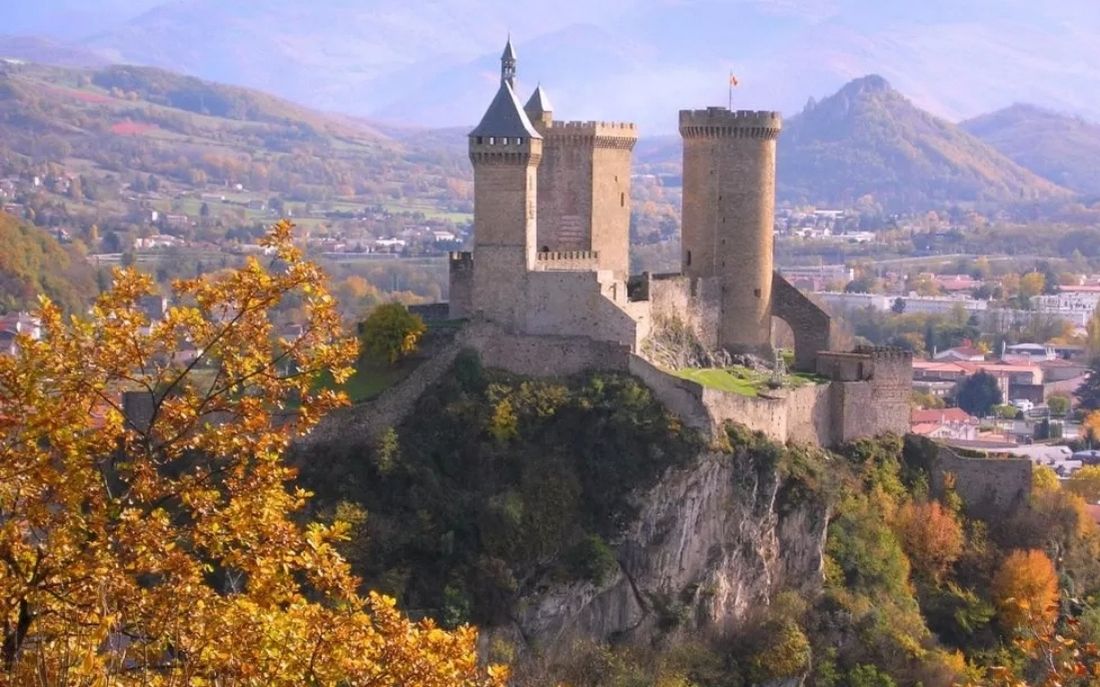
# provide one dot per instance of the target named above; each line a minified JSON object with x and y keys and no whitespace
{"x":711,"y":542}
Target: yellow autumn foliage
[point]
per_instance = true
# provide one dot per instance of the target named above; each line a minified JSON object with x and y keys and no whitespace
{"x":166,"y":548}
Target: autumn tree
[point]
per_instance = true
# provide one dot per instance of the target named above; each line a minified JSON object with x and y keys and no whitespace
{"x":1086,"y":483}
{"x":1032,"y":284}
{"x":1091,"y":426}
{"x":391,"y":332}
{"x":165,"y":545}
{"x":1025,"y":591}
{"x":931,"y":536}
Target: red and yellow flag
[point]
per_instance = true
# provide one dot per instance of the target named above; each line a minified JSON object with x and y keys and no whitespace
{"x":733,"y":80}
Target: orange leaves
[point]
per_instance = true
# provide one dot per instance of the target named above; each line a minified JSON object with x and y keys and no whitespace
{"x":1025,"y":590}
{"x":931,"y":536}
{"x":167,"y":549}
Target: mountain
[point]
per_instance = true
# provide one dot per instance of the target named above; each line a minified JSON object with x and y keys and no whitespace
{"x":48,"y":51}
{"x":113,"y":125}
{"x":435,"y":63}
{"x":868,"y":139}
{"x":1059,"y":147}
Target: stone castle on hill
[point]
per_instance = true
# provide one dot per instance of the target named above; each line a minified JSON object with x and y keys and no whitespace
{"x":548,"y":282}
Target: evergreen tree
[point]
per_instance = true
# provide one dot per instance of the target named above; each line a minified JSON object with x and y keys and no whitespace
{"x":978,"y":394}
{"x":1088,"y":394}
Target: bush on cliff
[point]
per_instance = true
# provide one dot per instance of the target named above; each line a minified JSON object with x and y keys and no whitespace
{"x":495,"y":482}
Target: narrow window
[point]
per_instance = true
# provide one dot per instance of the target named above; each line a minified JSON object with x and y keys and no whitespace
{"x":689,"y":258}
{"x":480,"y":140}
{"x":492,"y":140}
{"x":622,"y":200}
{"x":756,"y":292}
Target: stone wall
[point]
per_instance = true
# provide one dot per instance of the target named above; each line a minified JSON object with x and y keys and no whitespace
{"x":373,"y":417}
{"x":891,"y":386}
{"x":589,"y":304}
{"x":989,"y":487}
{"x":461,"y":298}
{"x":803,"y":415}
{"x":693,"y":302}
{"x":871,"y":391}
{"x":543,"y":356}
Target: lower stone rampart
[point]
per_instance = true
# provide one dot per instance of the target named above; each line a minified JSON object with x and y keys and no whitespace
{"x":543,"y":356}
{"x":824,"y":414}
{"x":371,"y":418}
{"x":989,"y":487}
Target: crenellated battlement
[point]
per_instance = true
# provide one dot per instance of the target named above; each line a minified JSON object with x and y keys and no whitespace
{"x":461,"y":260}
{"x":595,"y":126}
{"x":621,"y":135}
{"x":719,"y":122}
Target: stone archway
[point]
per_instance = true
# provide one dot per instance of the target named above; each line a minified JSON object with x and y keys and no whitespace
{"x":810,"y":326}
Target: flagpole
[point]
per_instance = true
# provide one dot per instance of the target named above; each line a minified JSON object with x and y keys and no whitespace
{"x":729,"y":84}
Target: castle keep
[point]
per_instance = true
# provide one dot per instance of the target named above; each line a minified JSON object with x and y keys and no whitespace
{"x":549,"y":270}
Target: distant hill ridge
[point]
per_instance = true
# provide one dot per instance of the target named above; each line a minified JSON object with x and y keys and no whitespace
{"x":1061,"y":148}
{"x":868,"y":139}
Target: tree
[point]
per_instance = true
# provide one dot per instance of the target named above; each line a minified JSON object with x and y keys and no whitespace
{"x":1092,"y":337}
{"x":1032,"y":284}
{"x":1088,"y":394}
{"x":1091,"y":427}
{"x":931,"y":536}
{"x":1086,"y":483}
{"x":1058,"y":404}
{"x":978,"y":393}
{"x":1025,"y":591}
{"x":391,"y":332}
{"x":898,"y":306}
{"x":165,"y":546}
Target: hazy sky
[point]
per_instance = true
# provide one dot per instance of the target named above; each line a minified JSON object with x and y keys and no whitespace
{"x":434,"y":61}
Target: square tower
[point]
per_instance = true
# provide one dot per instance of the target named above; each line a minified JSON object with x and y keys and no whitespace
{"x":584,"y":186}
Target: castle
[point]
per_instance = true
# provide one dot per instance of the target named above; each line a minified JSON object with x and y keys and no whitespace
{"x":549,"y":270}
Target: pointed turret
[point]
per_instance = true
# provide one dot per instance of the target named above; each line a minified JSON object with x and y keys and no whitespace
{"x":508,"y":64}
{"x":505,"y":118}
{"x":538,"y":108}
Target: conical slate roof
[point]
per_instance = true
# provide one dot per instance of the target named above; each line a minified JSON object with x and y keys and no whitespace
{"x":538,"y":103}
{"x":509,"y":51}
{"x":505,"y":117}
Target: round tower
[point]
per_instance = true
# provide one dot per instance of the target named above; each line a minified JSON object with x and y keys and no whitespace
{"x":728,"y":216}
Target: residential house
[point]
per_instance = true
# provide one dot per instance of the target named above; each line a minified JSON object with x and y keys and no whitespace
{"x":944,"y":423}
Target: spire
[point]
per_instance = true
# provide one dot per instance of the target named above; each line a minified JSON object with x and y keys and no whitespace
{"x":508,"y":64}
{"x":538,"y":104}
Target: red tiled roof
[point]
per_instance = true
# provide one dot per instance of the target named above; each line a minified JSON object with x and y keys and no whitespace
{"x":940,"y":415}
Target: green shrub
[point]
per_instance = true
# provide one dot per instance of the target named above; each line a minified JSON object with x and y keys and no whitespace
{"x":592,"y":559}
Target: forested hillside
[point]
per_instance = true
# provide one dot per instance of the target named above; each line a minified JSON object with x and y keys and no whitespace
{"x":119,"y":125}
{"x":1059,"y":147}
{"x":869,"y":140}
{"x":33,"y":263}
{"x":521,"y":504}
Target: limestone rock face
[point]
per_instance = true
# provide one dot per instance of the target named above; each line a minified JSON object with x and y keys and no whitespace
{"x":710,"y":543}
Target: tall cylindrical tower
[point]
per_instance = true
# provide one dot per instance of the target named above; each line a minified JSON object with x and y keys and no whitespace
{"x":729,"y":216}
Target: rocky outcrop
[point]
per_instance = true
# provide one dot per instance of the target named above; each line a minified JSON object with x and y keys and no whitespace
{"x":710,"y":543}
